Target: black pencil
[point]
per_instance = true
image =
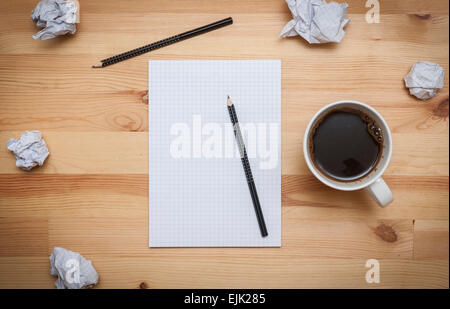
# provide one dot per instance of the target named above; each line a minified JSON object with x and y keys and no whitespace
{"x":247,"y":169}
{"x":165,"y":42}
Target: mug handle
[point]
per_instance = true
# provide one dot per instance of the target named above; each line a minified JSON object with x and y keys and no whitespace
{"x":380,"y":192}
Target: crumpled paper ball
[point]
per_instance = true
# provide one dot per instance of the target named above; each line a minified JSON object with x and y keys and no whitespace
{"x":72,"y":269}
{"x":57,"y":17}
{"x":30,"y":150}
{"x":316,"y":21}
{"x":425,"y":79}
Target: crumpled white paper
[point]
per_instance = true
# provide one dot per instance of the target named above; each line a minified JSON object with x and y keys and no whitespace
{"x":30,"y":150}
{"x":72,"y":269}
{"x":316,"y":21}
{"x":58,"y":17}
{"x":425,"y":79}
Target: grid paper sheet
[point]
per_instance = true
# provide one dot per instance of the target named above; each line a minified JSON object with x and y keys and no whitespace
{"x":199,"y":197}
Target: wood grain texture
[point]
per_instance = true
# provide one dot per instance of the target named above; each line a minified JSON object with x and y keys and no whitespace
{"x":91,"y":195}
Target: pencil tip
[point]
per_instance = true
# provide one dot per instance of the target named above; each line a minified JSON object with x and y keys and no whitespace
{"x":229,"y":103}
{"x":98,"y":65}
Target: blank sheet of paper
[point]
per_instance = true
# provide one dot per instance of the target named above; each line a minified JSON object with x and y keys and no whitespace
{"x":198,"y":193}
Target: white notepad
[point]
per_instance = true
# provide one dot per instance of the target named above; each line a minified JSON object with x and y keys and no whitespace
{"x":198,"y":193}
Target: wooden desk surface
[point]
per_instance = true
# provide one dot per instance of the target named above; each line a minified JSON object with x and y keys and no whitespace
{"x":91,"y":196}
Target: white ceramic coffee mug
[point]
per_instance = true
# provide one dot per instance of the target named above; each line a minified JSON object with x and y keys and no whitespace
{"x":372,"y":182}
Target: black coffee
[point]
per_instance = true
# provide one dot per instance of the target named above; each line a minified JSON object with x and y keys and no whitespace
{"x":346,"y":144}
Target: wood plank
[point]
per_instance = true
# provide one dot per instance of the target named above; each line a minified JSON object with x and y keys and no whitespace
{"x":21,"y":272}
{"x":229,"y":6}
{"x":127,"y":153}
{"x":74,"y":111}
{"x":87,"y":153}
{"x":21,"y":75}
{"x":291,"y":273}
{"x":431,"y":239}
{"x":78,"y":196}
{"x":139,"y":29}
{"x":223,"y":272}
{"x":23,"y":236}
{"x":128,"y":237}
{"x":127,"y":110}
{"x":411,"y":198}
